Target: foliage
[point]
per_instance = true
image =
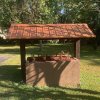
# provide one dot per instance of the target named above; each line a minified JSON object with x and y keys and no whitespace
{"x":51,"y":11}
{"x":27,"y":11}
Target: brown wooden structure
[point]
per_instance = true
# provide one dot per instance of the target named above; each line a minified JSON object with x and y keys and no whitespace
{"x":23,"y":32}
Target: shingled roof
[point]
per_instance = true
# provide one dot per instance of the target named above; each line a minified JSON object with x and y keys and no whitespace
{"x":49,"y":31}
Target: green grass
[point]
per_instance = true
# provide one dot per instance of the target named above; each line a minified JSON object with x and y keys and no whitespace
{"x":12,"y":87}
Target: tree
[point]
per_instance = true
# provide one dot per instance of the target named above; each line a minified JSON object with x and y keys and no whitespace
{"x":50,"y":11}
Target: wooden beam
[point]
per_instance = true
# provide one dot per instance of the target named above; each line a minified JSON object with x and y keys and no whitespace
{"x":23,"y":59}
{"x":77,"y":48}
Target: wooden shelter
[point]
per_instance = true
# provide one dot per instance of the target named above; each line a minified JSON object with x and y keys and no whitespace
{"x":23,"y":32}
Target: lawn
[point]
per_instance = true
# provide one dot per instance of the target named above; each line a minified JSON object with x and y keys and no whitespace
{"x":12,"y":87}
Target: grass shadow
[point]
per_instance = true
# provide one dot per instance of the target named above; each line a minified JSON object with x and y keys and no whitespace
{"x":9,"y":51}
{"x":58,"y":93}
{"x":34,"y":50}
{"x":91,"y":55}
{"x":10,"y":73}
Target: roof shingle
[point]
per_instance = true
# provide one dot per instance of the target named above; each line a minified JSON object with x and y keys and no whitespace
{"x":49,"y":31}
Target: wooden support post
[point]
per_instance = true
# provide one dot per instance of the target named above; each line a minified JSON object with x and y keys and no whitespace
{"x":40,"y":45}
{"x":77,"y":48}
{"x":23,"y":60}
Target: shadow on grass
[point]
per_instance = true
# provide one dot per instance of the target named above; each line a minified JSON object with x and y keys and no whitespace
{"x":91,"y":55}
{"x":10,"y":73}
{"x":34,"y":50}
{"x":83,"y":90}
{"x":51,"y":93}
{"x":9,"y":50}
{"x":23,"y":92}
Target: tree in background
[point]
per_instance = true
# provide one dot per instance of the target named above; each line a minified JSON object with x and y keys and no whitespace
{"x":51,"y":11}
{"x":28,"y":11}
